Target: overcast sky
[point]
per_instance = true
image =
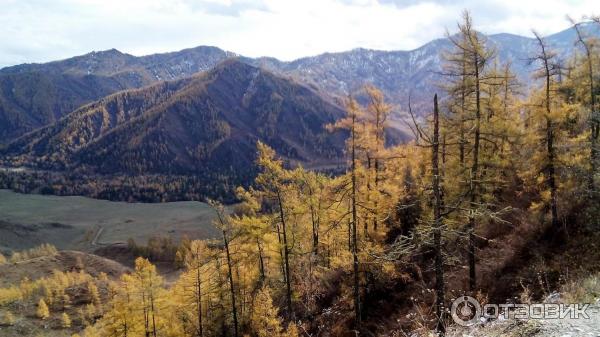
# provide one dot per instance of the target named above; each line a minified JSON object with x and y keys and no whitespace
{"x":45,"y":30}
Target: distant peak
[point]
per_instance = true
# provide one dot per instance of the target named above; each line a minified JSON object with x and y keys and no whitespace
{"x":234,"y":62}
{"x":506,"y":35}
{"x":108,"y":52}
{"x":111,"y":51}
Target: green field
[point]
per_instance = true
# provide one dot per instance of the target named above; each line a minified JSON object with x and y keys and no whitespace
{"x":86,"y":224}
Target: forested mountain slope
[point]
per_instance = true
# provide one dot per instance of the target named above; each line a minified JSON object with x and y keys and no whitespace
{"x":36,"y":95}
{"x":206,"y":125}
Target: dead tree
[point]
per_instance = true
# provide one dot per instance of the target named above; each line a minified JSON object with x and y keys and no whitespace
{"x":437,"y":221}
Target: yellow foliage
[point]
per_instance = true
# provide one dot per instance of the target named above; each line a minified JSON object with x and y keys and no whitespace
{"x":42,"y":250}
{"x":265,"y":319}
{"x":8,"y":319}
{"x":65,"y":320}
{"x":42,"y":311}
{"x":10,"y":295}
{"x":93,"y":293}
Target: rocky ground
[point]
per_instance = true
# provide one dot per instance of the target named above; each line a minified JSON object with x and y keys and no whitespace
{"x":566,"y":327}
{"x":573,"y":327}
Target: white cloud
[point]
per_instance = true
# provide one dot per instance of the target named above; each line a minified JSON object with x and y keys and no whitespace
{"x":40,"y":31}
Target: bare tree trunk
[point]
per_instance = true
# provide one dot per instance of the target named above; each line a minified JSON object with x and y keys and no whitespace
{"x":125,"y":323}
{"x":366,"y":229}
{"x":437,"y":225}
{"x":146,"y":317}
{"x":315,"y":230}
{"x":463,"y":103}
{"x":474,"y":177}
{"x":153,"y":315}
{"x":281,"y":254}
{"x":552,"y":171}
{"x":231,"y":286}
{"x":261,"y":263}
{"x":286,"y":255}
{"x":221,"y":297}
{"x":357,"y":310}
{"x":198,"y":294}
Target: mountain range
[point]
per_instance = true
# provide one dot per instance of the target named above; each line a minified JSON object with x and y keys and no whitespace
{"x":36,"y":95}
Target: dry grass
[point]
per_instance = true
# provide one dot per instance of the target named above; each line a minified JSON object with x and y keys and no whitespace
{"x":586,"y":290}
{"x":498,"y":329}
{"x":12,"y":274}
{"x":84,"y":224}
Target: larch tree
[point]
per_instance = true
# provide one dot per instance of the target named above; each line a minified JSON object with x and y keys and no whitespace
{"x":548,"y":70}
{"x":351,"y":123}
{"x":273,"y":180}
{"x":589,"y":47}
{"x":65,"y":320}
{"x":469,"y":63}
{"x":195,"y":263}
{"x":375,"y":117}
{"x":148,"y":284}
{"x":42,"y":311}
{"x":225,"y":226}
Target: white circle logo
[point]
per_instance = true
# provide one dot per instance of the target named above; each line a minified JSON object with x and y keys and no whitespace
{"x":466,"y":311}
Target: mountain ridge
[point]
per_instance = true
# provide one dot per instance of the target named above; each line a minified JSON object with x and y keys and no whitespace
{"x":204,"y":125}
{"x":36,"y":95}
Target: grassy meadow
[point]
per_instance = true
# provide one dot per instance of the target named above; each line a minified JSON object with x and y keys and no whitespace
{"x":79,"y":223}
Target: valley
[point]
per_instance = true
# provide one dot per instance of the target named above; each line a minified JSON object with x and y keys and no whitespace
{"x":79,"y":223}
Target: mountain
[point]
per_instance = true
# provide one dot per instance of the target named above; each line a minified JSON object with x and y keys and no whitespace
{"x":417,"y":71}
{"x":206,"y":125}
{"x":36,"y":95}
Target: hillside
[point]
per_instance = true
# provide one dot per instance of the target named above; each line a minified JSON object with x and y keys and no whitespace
{"x":76,"y":282}
{"x":64,"y":261}
{"x":206,"y":125}
{"x":36,"y":95}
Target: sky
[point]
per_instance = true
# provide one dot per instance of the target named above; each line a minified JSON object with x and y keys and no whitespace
{"x":46,"y":30}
